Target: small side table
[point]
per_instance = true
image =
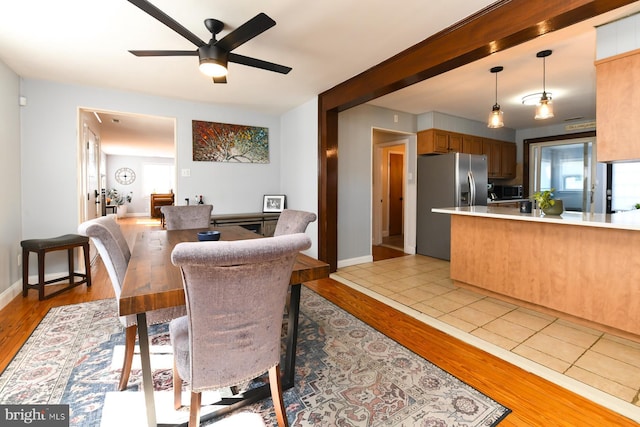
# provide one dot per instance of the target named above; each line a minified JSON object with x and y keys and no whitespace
{"x":114,"y":208}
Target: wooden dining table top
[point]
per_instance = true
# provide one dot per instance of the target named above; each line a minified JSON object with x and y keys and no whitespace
{"x":153,"y":282}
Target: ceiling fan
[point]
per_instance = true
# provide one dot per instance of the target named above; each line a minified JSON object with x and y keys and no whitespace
{"x":214,"y":55}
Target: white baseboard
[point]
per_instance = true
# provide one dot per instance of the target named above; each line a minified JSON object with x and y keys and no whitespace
{"x":9,"y":294}
{"x":355,"y":261}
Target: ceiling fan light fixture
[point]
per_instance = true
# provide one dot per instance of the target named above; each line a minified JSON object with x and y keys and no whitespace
{"x":212,"y":69}
{"x":213,"y":61}
{"x":496,"y":116}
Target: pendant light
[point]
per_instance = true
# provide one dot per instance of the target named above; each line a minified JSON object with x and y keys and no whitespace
{"x":544,"y":109}
{"x":496,"y":115}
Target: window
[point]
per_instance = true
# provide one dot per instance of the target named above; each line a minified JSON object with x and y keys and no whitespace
{"x":158,"y":178}
{"x":625,"y":191}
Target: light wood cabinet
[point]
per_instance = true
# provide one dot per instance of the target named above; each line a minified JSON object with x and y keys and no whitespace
{"x":471,"y":144}
{"x":436,"y":141}
{"x":618,"y":107}
{"x":493,"y":150}
{"x":508,"y":160}
{"x":501,"y":155}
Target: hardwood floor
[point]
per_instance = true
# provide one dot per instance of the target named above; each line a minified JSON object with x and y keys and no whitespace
{"x":534,"y":401}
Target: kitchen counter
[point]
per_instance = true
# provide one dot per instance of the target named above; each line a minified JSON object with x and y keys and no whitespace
{"x":623,"y":220}
{"x":576,"y":265}
{"x":504,"y":201}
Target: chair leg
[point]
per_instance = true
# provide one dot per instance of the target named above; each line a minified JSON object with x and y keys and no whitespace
{"x":177,"y":387}
{"x":276,"y":396}
{"x":129,"y":347}
{"x":194,"y":412}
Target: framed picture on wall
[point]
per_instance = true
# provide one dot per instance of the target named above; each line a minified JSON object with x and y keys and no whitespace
{"x":273,"y":203}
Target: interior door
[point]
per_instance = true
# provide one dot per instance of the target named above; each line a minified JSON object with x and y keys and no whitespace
{"x":92,"y":207}
{"x":396,"y":193}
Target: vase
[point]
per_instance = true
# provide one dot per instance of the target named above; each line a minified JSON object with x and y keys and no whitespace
{"x":122,"y":211}
{"x":556,"y":209}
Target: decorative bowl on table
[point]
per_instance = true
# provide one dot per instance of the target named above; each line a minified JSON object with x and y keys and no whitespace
{"x":210,"y":235}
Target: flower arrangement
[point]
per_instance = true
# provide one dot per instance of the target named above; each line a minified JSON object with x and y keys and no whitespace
{"x":115,"y":198}
{"x":544,"y":198}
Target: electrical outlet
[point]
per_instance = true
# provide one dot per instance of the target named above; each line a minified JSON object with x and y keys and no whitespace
{"x":19,"y":259}
{"x":395,"y":118}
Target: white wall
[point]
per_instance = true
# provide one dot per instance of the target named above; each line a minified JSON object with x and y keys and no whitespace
{"x":50,"y":153}
{"x":10,"y":191}
{"x":140,"y":203}
{"x":355,"y":128}
{"x":618,"y":37}
{"x":299,"y":172}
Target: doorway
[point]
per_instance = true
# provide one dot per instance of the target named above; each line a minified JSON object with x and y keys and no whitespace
{"x":388,"y":189}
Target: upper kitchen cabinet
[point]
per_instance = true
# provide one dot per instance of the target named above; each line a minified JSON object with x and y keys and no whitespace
{"x":618,"y":107}
{"x":501,"y":158}
{"x":493,"y":150}
{"x":436,"y":141}
{"x":508,"y":160}
{"x":471,"y":144}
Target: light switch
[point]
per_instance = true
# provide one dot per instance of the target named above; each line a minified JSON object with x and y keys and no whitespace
{"x":186,"y":172}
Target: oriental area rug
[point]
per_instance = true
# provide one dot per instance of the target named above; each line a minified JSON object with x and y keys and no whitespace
{"x":347,"y":374}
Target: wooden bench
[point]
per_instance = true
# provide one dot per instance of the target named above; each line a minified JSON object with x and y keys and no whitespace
{"x":41,"y":247}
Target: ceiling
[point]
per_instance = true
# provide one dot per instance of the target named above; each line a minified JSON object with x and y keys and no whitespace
{"x":86,"y":43}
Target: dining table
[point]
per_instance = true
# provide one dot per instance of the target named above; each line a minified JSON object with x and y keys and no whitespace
{"x":152,"y":282}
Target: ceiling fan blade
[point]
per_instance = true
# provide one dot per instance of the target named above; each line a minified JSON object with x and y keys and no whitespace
{"x":168,"y":21}
{"x":222,"y":79}
{"x":258,"y":63}
{"x":245,"y":32}
{"x":165,"y":52}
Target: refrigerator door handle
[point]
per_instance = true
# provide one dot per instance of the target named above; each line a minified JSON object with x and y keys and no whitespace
{"x":472,"y":188}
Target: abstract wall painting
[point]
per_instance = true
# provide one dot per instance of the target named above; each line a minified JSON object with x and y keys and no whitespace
{"x":222,"y":142}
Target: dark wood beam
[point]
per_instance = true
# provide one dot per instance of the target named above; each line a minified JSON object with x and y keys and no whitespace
{"x":500,"y":26}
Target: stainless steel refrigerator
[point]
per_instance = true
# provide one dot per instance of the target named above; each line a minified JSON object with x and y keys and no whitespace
{"x":444,"y":181}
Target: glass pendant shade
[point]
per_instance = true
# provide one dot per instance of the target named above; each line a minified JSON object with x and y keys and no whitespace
{"x":544,"y":109}
{"x":496,"y":119}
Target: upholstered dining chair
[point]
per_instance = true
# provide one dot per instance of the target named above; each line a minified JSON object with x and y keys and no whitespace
{"x":235,"y":293}
{"x":186,"y":217}
{"x":114,"y":251}
{"x":292,"y":221}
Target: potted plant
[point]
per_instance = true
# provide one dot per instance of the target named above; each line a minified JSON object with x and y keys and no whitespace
{"x":547,"y":203}
{"x":115,"y":198}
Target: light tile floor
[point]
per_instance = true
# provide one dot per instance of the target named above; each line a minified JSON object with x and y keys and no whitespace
{"x":601,"y":360}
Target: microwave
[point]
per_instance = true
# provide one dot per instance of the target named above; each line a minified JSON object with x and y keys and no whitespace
{"x":508,"y":191}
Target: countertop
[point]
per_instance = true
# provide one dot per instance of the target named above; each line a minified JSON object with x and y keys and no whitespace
{"x":623,"y":220}
{"x":501,"y":201}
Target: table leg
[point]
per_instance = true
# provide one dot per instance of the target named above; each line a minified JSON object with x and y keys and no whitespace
{"x":292,"y":338}
{"x":147,"y":378}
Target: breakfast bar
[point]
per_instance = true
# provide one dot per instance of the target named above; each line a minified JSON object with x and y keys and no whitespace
{"x":556,"y":262}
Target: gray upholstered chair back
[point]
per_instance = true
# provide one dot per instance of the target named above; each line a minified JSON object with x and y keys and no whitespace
{"x":235,"y":293}
{"x":111,"y":245}
{"x":292,"y":221}
{"x":115,"y":253}
{"x":186,"y":217}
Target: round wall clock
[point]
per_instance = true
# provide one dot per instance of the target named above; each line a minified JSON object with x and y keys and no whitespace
{"x":125,"y":176}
